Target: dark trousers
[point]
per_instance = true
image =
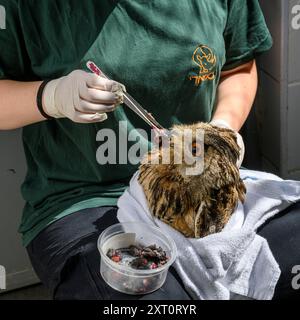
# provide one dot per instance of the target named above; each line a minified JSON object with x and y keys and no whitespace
{"x":66,"y":258}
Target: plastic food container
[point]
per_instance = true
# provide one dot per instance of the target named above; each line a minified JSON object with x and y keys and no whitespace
{"x":124,"y":278}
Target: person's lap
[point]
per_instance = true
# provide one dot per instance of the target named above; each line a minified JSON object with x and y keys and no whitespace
{"x":66,"y":258}
{"x":283,"y":235}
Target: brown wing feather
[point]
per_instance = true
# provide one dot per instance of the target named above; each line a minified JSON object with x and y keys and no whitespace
{"x":217,"y":211}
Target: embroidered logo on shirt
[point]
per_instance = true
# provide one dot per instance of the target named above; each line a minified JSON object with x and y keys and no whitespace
{"x":206,"y":60}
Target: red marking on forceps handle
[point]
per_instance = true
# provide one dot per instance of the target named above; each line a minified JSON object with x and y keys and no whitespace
{"x":95,"y":69}
{"x":92,"y":67}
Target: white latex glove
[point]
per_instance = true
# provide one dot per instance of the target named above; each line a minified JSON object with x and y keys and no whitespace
{"x":224,"y":124}
{"x":82,"y":97}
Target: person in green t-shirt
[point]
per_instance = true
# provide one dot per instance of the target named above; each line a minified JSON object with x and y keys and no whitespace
{"x":185,"y":62}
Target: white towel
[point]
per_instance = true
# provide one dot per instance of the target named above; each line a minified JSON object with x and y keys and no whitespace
{"x":235,"y":261}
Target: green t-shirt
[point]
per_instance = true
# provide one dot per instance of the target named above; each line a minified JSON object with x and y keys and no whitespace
{"x":169,"y":54}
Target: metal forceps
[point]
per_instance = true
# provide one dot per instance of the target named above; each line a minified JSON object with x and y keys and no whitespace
{"x":130,"y":102}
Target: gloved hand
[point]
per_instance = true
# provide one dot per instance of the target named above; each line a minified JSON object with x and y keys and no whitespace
{"x":223,"y":124}
{"x":82,"y":97}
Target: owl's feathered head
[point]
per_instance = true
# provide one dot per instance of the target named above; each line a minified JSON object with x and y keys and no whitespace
{"x":199,"y":153}
{"x":196,"y":197}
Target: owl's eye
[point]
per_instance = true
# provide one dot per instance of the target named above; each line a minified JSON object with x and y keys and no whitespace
{"x":196,"y":149}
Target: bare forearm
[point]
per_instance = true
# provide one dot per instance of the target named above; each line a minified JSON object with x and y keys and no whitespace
{"x":18,"y":104}
{"x":236,"y":94}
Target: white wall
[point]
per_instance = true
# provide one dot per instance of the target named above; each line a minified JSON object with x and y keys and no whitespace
{"x":12,"y":172}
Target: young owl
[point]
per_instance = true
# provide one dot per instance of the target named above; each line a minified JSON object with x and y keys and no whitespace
{"x":194,"y":204}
